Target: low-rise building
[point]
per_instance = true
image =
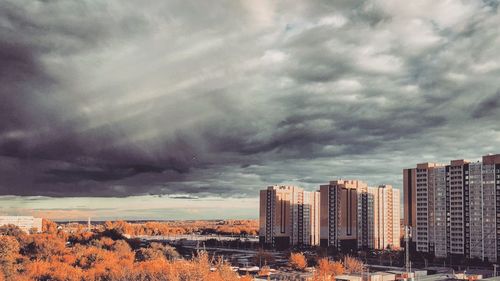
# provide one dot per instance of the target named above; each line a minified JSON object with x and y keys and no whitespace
{"x":26,"y":223}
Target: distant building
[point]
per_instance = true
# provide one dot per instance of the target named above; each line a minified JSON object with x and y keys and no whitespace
{"x":288,"y":216}
{"x":356,"y":216}
{"x":453,"y":209}
{"x":387,"y":217}
{"x":26,"y":223}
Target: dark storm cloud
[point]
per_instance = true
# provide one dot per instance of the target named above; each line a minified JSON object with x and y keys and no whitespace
{"x":20,"y":74}
{"x":103,"y":174}
{"x":201,"y":99}
{"x":487,"y":107}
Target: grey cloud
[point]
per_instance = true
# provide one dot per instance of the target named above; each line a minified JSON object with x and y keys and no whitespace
{"x":103,"y":174}
{"x":488,"y":106}
{"x":220,"y":99}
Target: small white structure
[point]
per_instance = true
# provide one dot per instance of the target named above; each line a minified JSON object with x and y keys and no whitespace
{"x":420,"y":272}
{"x":382,"y":276}
{"x":25,"y":223}
{"x":348,"y":278}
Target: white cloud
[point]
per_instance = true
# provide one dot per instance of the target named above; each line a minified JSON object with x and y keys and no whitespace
{"x":370,"y":61}
{"x":485,"y":67}
{"x":332,"y":20}
{"x":457,"y":77}
{"x":273,"y":56}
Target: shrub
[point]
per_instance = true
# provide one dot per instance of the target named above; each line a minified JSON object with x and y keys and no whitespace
{"x":298,"y":261}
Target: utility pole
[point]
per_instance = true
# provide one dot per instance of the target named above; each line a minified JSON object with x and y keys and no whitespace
{"x":495,"y":270}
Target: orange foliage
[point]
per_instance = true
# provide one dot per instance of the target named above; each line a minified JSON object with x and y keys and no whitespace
{"x":9,"y":253}
{"x":123,"y":251}
{"x":49,"y":226}
{"x":199,"y":268}
{"x":297,"y":261}
{"x":353,"y":265}
{"x":264,"y":271}
{"x":56,"y":271}
{"x":45,"y":247}
{"x":238,"y":227}
{"x":246,"y":278}
{"x":149,"y":228}
{"x":327,"y":270}
{"x":57,"y":257}
{"x":228,"y":227}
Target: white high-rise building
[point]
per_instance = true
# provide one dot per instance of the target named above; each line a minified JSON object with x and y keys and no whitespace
{"x":453,"y":208}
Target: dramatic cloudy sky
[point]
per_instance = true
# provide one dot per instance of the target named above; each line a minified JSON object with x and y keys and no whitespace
{"x":174,"y":108}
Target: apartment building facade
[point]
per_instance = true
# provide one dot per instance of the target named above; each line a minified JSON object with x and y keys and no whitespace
{"x":26,"y":223}
{"x":386,"y":218}
{"x":289,"y":216}
{"x":452,"y":208}
{"x":356,"y":216}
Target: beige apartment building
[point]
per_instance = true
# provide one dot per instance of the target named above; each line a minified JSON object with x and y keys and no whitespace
{"x":386,"y":217}
{"x":289,"y":216}
{"x":26,"y":223}
{"x":452,"y":208}
{"x":354,"y":216}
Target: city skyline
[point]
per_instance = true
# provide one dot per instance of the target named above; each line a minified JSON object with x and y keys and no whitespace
{"x":345,"y":215}
{"x":158,"y":207}
{"x":117,"y":110}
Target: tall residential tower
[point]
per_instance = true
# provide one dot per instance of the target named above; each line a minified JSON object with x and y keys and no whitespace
{"x":288,"y":216}
{"x":354,"y":216}
{"x":452,"y":208}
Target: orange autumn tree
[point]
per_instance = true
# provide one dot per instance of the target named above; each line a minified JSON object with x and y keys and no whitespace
{"x":49,"y":226}
{"x":298,"y":261}
{"x":353,"y":265}
{"x":327,"y":270}
{"x":9,"y":253}
{"x":264,"y":271}
{"x":53,"y":270}
{"x":45,"y":247}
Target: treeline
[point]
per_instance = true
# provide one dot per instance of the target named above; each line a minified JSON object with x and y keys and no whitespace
{"x":105,"y":255}
{"x":233,"y":227}
{"x":57,"y":255}
{"x":227,"y":227}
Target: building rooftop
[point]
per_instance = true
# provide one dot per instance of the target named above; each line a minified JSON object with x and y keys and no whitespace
{"x":429,"y":165}
{"x":16,"y":217}
{"x":434,"y":277}
{"x":348,"y":277}
{"x":491,"y":159}
{"x":382,"y":273}
{"x":349,"y":183}
{"x":283,"y":187}
{"x":458,"y":162}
